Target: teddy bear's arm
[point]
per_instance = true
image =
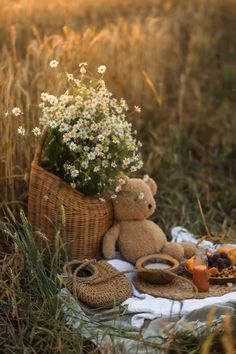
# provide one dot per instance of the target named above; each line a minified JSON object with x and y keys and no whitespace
{"x":109,"y":241}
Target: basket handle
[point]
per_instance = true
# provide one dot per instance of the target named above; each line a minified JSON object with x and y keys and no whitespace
{"x":39,"y":147}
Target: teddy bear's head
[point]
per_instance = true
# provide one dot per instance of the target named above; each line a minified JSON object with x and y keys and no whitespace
{"x":135,"y":200}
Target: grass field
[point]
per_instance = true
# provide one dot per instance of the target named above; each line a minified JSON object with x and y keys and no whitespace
{"x":175,"y":59}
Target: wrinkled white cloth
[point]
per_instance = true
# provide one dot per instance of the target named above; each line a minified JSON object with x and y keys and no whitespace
{"x":145,"y":306}
{"x":107,"y":332}
{"x":180,"y":234}
{"x":155,"y":307}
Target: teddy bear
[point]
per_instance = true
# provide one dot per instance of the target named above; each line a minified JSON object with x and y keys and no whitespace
{"x":132,"y":232}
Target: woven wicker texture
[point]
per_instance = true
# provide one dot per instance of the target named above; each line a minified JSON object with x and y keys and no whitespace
{"x":179,"y":289}
{"x":54,"y":205}
{"x":105,"y":287}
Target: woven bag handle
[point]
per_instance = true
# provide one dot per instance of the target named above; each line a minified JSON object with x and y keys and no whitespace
{"x":81,"y":265}
{"x":39,"y":147}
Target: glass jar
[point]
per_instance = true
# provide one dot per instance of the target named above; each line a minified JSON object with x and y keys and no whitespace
{"x":200,"y":271}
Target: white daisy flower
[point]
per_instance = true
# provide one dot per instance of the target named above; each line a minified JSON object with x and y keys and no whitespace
{"x":91,"y":156}
{"x":74,"y":173}
{"x":36,"y":131}
{"x":84,"y":164}
{"x":140,"y":164}
{"x":73,"y":185}
{"x":53,"y":124}
{"x":44,"y":96}
{"x":137,"y":109}
{"x":118,"y":189}
{"x":53,"y":63}
{"x":133,"y":169}
{"x":113,"y":196}
{"x":113,"y":164}
{"x":94,"y":126}
{"x":119,"y":110}
{"x":105,"y":164}
{"x":52,"y":99}
{"x":141,"y":196}
{"x":70,"y":76}
{"x":124,"y":104}
{"x":121,"y":181}
{"x":21,"y":130}
{"x":63,"y":127}
{"x":16,"y":111}
{"x":126,"y":162}
{"x":73,"y":146}
{"x":96,"y":168}
{"x":83,"y":70}
{"x":115,"y":140}
{"x":101,"y":137}
{"x":102,"y":69}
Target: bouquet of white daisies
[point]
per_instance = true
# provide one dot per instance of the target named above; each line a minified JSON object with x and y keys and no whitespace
{"x":89,"y":143}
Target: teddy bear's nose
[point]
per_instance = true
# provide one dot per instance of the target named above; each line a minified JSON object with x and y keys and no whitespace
{"x":149,"y":206}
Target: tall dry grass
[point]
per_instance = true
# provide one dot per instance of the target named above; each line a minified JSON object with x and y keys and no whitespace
{"x":176,"y":59}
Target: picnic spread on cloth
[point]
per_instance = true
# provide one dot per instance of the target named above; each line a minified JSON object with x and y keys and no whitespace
{"x":155,"y":316}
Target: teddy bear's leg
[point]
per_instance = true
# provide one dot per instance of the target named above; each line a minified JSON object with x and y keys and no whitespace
{"x":174,"y":250}
{"x":109,"y":241}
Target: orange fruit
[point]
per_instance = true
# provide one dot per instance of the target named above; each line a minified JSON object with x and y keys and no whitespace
{"x":213,"y":271}
{"x":189,"y":264}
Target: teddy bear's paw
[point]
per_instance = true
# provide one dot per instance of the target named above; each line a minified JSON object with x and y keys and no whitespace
{"x":189,"y":249}
{"x":174,"y":250}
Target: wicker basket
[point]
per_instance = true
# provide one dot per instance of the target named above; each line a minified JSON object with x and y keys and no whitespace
{"x":53,"y":205}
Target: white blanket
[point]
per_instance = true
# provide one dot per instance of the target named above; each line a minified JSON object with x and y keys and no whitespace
{"x":145,"y":306}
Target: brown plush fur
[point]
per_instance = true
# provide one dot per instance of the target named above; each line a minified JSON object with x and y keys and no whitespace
{"x":133,"y":233}
{"x":189,"y":249}
{"x":174,"y":250}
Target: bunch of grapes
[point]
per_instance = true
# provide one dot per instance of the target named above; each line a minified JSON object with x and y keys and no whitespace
{"x":219,"y":261}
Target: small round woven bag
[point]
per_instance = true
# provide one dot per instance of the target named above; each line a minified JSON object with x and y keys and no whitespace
{"x":97,"y":284}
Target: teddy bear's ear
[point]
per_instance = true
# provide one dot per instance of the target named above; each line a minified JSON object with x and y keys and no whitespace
{"x":152,"y":184}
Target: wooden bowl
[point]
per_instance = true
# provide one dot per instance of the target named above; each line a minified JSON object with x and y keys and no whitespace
{"x":157,"y":276}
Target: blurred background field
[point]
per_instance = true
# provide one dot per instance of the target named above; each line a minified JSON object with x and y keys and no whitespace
{"x":176,"y":59}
